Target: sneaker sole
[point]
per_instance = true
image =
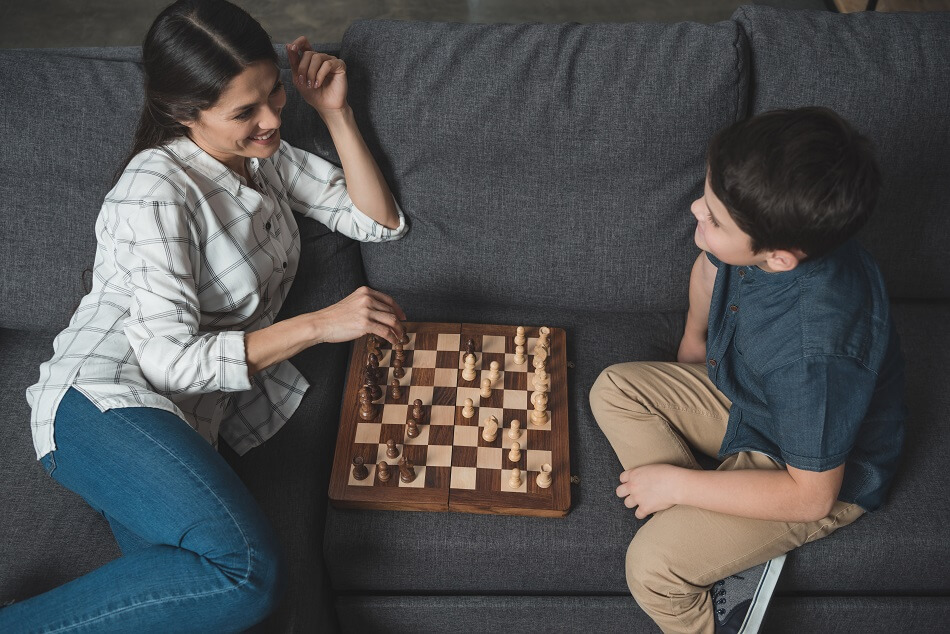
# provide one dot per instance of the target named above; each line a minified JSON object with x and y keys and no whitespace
{"x":761,"y":598}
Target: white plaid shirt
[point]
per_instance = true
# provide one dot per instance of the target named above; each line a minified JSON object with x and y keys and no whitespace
{"x":189,"y":258}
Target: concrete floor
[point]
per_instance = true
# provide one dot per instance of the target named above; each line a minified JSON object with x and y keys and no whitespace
{"x":68,"y":23}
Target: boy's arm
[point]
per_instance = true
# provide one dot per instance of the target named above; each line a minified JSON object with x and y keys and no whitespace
{"x":701,"y":281}
{"x":794,"y":495}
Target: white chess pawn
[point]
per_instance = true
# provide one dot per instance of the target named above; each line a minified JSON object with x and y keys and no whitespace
{"x":519,"y":355}
{"x":520,"y":338}
{"x":515,"y":454}
{"x":490,"y":432}
{"x":515,"y":432}
{"x":540,"y":415}
{"x":514,"y":481}
{"x":468,"y":410}
{"x":486,"y":388}
{"x":469,"y":372}
{"x":541,"y":381}
{"x":493,"y":373}
{"x":544,"y":477}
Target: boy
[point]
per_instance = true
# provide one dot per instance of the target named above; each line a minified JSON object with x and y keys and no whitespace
{"x":789,"y":370}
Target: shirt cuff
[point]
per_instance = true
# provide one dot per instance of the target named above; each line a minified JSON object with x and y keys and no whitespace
{"x":374,"y":231}
{"x":232,"y":362}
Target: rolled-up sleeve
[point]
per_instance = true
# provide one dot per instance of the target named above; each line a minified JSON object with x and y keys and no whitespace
{"x":317,"y":189}
{"x":156,"y":249}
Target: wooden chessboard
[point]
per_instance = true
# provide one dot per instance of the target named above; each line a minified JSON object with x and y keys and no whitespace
{"x":456,"y":469}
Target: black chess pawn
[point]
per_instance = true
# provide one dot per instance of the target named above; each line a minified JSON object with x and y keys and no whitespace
{"x":417,"y":411}
{"x":398,"y":370}
{"x":359,"y":469}
{"x":405,"y":338}
{"x":367,"y":408}
{"x":391,"y":450}
{"x":412,"y":428}
{"x":382,"y":470}
{"x":372,"y":388}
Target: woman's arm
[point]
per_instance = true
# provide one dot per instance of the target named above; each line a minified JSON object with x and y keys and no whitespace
{"x":321,"y":81}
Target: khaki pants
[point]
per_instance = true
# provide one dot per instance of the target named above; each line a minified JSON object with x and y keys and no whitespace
{"x":660,"y":413}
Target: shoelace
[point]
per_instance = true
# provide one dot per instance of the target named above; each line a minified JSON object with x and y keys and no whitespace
{"x":718,"y":593}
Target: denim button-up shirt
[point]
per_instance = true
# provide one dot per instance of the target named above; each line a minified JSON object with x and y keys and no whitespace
{"x":812,"y":364}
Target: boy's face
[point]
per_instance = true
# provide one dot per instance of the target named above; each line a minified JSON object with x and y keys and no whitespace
{"x":717,"y":233}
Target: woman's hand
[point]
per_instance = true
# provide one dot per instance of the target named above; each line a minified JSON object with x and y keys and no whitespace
{"x":320,"y":78}
{"x":363,"y":312}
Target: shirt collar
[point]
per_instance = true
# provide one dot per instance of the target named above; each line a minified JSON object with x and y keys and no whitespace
{"x":807,"y":267}
{"x":193,"y":157}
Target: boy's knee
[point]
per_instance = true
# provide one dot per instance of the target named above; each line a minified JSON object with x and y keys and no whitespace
{"x":644,"y":571}
{"x":613,"y":391}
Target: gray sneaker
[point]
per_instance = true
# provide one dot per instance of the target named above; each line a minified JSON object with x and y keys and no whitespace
{"x":740,"y":601}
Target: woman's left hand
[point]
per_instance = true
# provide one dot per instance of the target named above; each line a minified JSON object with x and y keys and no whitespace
{"x":320,"y":78}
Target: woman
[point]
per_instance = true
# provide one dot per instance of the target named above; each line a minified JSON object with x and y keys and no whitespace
{"x":197,"y":249}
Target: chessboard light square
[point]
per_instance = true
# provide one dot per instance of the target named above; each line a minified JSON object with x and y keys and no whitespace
{"x":463,"y":393}
{"x":536,"y":458}
{"x":449,"y":341}
{"x":516,"y":399}
{"x":466,"y":436}
{"x":489,"y":458}
{"x":418,"y":483}
{"x":382,"y":457}
{"x":506,"y":476}
{"x":532,"y":343}
{"x":493,"y":343}
{"x":395,"y":414}
{"x":385,"y":356}
{"x":506,"y":440}
{"x":442,"y":415}
{"x":511,"y":366}
{"x":422,"y":392}
{"x":485,"y":412}
{"x":439,"y":456}
{"x":367,"y":433}
{"x":365,"y":482}
{"x":421,"y":439}
{"x":463,"y":477}
{"x":412,"y":342}
{"x":497,"y":384}
{"x":423,"y":359}
{"x":405,"y":380}
{"x":478,"y":360}
{"x":446,"y":377}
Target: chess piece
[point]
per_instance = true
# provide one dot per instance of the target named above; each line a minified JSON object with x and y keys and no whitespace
{"x":540,"y":415}
{"x":490,"y":432}
{"x":514,"y":481}
{"x":372,"y":345}
{"x":469,"y":372}
{"x":412,"y":428}
{"x":540,"y":359}
{"x":372,"y":389}
{"x":519,"y":355}
{"x":391,"y":450}
{"x":395,"y":390}
{"x":382,"y":469}
{"x":469,"y":409}
{"x":493,"y":373}
{"x":470,"y":347}
{"x":398,"y":370}
{"x":543,"y":343}
{"x":515,"y":454}
{"x":405,"y":338}
{"x":515,"y":432}
{"x":544,"y":477}
{"x":541,"y":381}
{"x":486,"y":388}
{"x":406,"y":471}
{"x":399,"y":352}
{"x":367,"y":408}
{"x":373,"y":365}
{"x":519,"y":337}
{"x":359,"y":469}
{"x":417,"y":410}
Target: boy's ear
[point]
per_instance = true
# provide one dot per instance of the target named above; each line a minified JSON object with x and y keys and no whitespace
{"x":785,"y":259}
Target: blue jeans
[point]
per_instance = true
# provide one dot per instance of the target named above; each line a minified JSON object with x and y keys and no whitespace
{"x":198,"y":553}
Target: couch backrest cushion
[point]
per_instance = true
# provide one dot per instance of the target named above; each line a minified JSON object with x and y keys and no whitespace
{"x":889,"y":74}
{"x":544,"y":164}
{"x":67,"y":117}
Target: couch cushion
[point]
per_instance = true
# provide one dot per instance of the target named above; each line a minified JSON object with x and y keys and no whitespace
{"x":894,"y":550}
{"x":887,"y":74}
{"x":67,"y":118}
{"x":538,"y":162}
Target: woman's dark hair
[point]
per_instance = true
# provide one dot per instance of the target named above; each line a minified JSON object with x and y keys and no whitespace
{"x":795,"y":179}
{"x":191,"y":53}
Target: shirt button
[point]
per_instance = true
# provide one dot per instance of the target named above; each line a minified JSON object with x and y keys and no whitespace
{"x":712,"y":362}
{"x":741,"y":272}
{"x":734,"y":308}
{"x":285,"y":265}
{"x":267,"y":226}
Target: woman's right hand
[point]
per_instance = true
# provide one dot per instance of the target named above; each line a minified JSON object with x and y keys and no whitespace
{"x":365,"y":311}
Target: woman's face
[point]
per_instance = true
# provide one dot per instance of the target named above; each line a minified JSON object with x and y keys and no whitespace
{"x":245,"y":121}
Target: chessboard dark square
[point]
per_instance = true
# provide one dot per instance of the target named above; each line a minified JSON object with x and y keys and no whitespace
{"x":366,"y":450}
{"x":508,"y":464}
{"x":443,"y":395}
{"x":495,"y":443}
{"x":423,"y":376}
{"x":516,"y":380}
{"x":465,"y":422}
{"x":441,"y":434}
{"x":520,"y":414}
{"x":447,"y":359}
{"x":426,"y":341}
{"x":488,"y":357}
{"x":539,"y":439}
{"x":497,"y":399}
{"x":488,"y":479}
{"x":438,"y":477}
{"x":392,"y":432}
{"x":403,"y":395}
{"x":415,"y":453}
{"x":464,"y":456}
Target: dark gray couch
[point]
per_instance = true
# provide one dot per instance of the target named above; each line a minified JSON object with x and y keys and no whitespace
{"x":559,"y":162}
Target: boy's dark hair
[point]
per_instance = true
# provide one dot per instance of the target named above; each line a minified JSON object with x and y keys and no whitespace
{"x":795,"y":179}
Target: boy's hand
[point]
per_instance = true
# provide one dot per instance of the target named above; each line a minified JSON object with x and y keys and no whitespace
{"x":650,"y":488}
